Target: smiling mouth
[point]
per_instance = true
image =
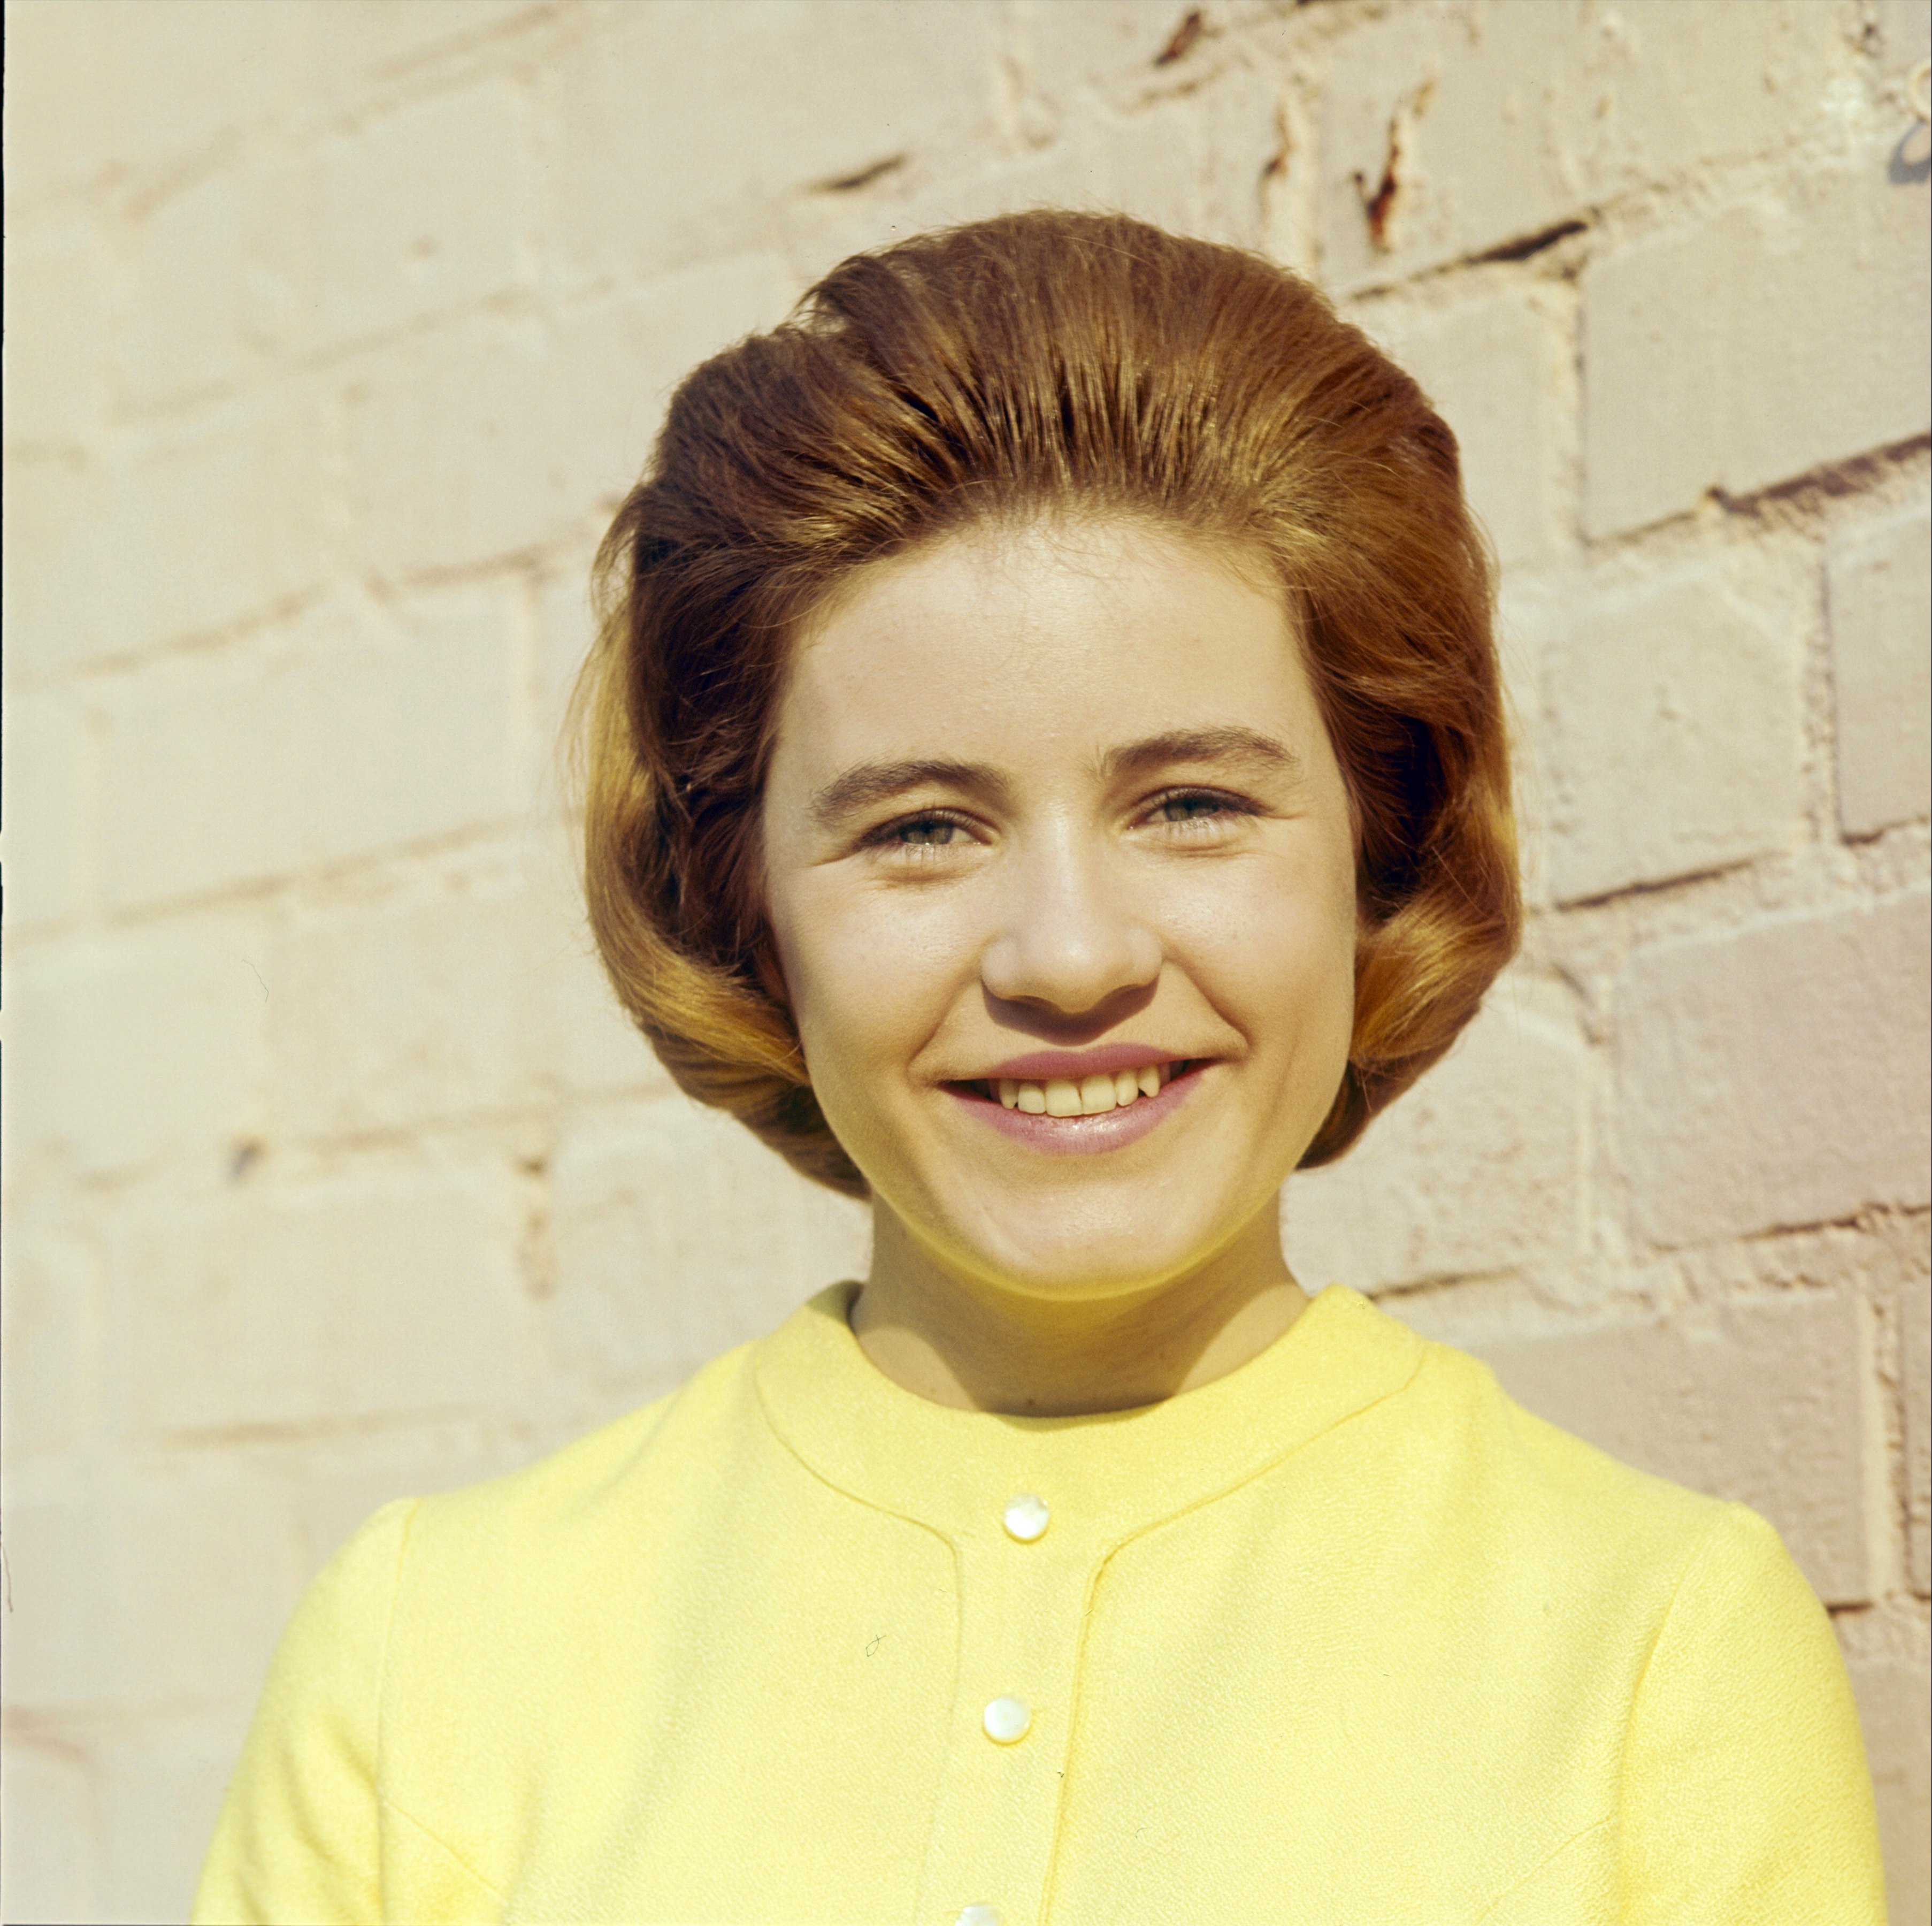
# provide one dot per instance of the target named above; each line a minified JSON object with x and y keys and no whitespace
{"x":1091,"y":1096}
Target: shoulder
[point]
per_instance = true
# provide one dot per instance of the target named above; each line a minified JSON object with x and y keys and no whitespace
{"x":598,"y":1487}
{"x":507,"y":1590}
{"x":1521,"y":1482}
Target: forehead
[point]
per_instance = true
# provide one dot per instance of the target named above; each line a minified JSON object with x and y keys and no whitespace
{"x":1003,"y":638}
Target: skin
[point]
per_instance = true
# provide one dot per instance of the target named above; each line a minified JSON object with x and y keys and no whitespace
{"x":1202,"y":901}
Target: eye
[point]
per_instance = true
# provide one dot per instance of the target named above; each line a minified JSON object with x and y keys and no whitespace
{"x":919,"y":836}
{"x":1199,"y":812}
{"x":928,"y":830}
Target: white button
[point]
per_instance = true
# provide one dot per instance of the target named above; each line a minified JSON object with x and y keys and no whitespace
{"x":978,"y":1915}
{"x":1025,"y":1517}
{"x":1006,"y":1719}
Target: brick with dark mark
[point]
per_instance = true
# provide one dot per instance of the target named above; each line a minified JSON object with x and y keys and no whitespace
{"x":1381,"y":204}
{"x":851,"y":183}
{"x":1378,"y":203}
{"x":1527,"y":245}
{"x":1181,"y":41}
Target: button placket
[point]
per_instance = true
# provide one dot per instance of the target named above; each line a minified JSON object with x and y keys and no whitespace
{"x":1007,"y":1719}
{"x":1022,"y":1597}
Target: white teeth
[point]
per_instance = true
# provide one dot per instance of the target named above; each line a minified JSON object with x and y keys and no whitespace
{"x":1096,"y":1094}
{"x":1061,"y":1097}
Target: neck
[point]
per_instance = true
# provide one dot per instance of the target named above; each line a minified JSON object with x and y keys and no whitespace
{"x":977,"y":1346}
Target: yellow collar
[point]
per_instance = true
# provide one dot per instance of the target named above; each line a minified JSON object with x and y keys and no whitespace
{"x":1108,"y":1476}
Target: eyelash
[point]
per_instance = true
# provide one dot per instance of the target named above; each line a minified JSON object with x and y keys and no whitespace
{"x":887,"y":834}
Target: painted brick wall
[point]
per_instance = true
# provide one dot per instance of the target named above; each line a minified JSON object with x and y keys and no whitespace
{"x":334,"y":332}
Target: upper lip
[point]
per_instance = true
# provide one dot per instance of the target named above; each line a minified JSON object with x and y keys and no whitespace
{"x":1073,"y":1064}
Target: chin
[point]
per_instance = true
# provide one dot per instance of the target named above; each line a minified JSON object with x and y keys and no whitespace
{"x":1122,"y":1261}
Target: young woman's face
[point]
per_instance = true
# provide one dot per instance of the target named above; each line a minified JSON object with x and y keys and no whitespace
{"x":1053,"y":809}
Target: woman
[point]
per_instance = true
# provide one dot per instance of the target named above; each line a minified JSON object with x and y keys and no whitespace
{"x":1047,"y":776}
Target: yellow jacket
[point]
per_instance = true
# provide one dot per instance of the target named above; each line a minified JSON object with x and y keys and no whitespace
{"x":1344,"y":1638}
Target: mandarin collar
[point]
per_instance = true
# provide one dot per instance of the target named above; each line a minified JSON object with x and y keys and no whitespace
{"x":1120,"y":1472}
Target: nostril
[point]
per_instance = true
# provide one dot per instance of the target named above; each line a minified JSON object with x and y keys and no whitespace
{"x":1072,"y":965}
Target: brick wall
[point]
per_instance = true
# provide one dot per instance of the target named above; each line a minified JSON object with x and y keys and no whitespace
{"x":334,"y":332}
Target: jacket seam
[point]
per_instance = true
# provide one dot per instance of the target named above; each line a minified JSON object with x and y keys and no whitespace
{"x":388,"y":1633}
{"x":1147,"y":1527}
{"x":1541,"y":1866}
{"x":1691,"y":1566}
{"x":1075,"y":1709}
{"x":777,"y":1431}
{"x":1418,"y":1359}
{"x":382,"y":1797}
{"x":442,"y":1845}
{"x":1109,"y":1553}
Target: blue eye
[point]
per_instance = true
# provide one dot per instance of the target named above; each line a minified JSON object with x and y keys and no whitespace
{"x":921,"y":833}
{"x":926,"y":831}
{"x":1202,"y":806}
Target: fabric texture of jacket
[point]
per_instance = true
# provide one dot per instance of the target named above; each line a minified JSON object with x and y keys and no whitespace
{"x":1344,"y":1638}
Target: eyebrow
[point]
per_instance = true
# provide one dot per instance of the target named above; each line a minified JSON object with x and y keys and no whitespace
{"x":1229,"y":744}
{"x":869,"y":783}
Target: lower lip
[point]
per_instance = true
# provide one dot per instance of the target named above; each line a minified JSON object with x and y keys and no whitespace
{"x":1074,"y":1137}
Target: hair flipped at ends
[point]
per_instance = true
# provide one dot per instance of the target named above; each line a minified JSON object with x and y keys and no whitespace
{"x":1042,"y":360}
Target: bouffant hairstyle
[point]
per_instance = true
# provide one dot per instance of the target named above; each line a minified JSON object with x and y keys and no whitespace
{"x":1046,"y":362}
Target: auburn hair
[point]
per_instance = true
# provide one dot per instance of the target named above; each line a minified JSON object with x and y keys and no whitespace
{"x":1038,"y":361}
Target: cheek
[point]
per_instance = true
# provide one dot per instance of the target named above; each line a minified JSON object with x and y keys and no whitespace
{"x":858,"y":986}
{"x":1281,"y":951}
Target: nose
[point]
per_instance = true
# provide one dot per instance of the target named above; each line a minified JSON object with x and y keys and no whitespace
{"x":1068,"y":936}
